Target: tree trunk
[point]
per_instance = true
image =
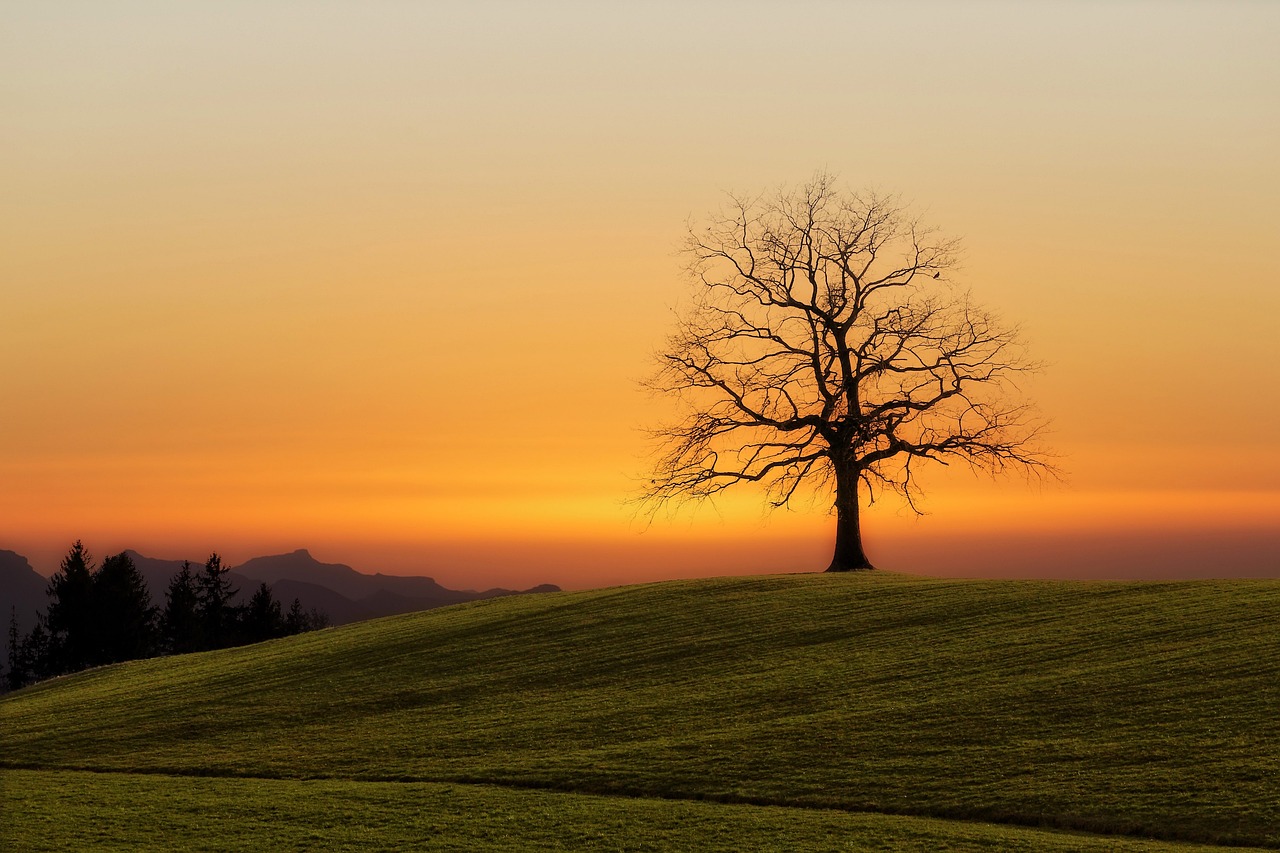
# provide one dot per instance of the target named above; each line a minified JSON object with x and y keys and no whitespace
{"x":849,"y":556}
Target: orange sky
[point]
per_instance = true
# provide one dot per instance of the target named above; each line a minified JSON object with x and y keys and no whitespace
{"x":379,"y":279}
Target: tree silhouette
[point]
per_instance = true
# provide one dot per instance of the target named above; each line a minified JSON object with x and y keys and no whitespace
{"x":296,"y":621}
{"x":73,"y":641}
{"x":125,"y":620}
{"x":31,"y":659}
{"x":16,"y":676}
{"x":180,"y":624}
{"x":263,"y":619}
{"x":825,"y":347}
{"x":218,"y":616}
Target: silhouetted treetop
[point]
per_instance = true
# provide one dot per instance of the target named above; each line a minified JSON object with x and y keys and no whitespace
{"x":825,"y":347}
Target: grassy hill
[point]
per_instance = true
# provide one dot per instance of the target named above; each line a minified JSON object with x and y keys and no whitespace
{"x":1138,"y":709}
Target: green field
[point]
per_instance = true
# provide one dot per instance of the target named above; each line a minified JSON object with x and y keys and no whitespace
{"x":789,"y":712}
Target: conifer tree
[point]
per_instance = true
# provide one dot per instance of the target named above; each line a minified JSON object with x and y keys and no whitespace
{"x":181,"y":626}
{"x":299,"y":621}
{"x":218,"y":617}
{"x":15,"y":677}
{"x":34,"y":661}
{"x":295,"y":622}
{"x":72,"y":639}
{"x":126,"y":621}
{"x":262,"y":619}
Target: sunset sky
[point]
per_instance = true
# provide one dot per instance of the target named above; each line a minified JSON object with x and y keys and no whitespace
{"x":380,"y":279}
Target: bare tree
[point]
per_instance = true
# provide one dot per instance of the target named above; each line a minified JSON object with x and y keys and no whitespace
{"x":825,"y":348}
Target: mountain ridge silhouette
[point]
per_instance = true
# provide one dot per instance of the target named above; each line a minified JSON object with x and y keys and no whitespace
{"x":337,"y":590}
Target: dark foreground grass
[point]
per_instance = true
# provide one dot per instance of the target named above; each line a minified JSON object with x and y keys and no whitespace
{"x":68,"y":810}
{"x":1139,"y":709}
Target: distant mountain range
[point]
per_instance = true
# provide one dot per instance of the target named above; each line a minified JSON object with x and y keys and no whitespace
{"x":339,"y":591}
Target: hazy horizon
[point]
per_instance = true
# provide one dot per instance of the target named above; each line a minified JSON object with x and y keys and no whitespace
{"x":1148,"y":555}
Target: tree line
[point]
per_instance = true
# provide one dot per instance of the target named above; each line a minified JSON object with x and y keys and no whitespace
{"x":104,"y":614}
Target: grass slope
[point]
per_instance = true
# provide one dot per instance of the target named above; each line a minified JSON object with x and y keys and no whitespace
{"x":1147,"y":709}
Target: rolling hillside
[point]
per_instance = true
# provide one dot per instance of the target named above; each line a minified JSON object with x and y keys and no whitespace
{"x":1136,"y":709}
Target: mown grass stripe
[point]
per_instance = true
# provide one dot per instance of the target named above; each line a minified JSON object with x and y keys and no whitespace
{"x":60,"y":810}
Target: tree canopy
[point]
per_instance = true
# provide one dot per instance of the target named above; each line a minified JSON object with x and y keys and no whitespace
{"x":826,"y":347}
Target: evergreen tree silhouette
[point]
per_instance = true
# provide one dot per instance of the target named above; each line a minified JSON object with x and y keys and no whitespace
{"x":34,"y":660}
{"x":126,"y":621}
{"x":262,"y":619}
{"x":16,"y":676}
{"x":218,"y":617}
{"x":295,"y":622}
{"x":181,"y":624}
{"x":72,"y":629}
